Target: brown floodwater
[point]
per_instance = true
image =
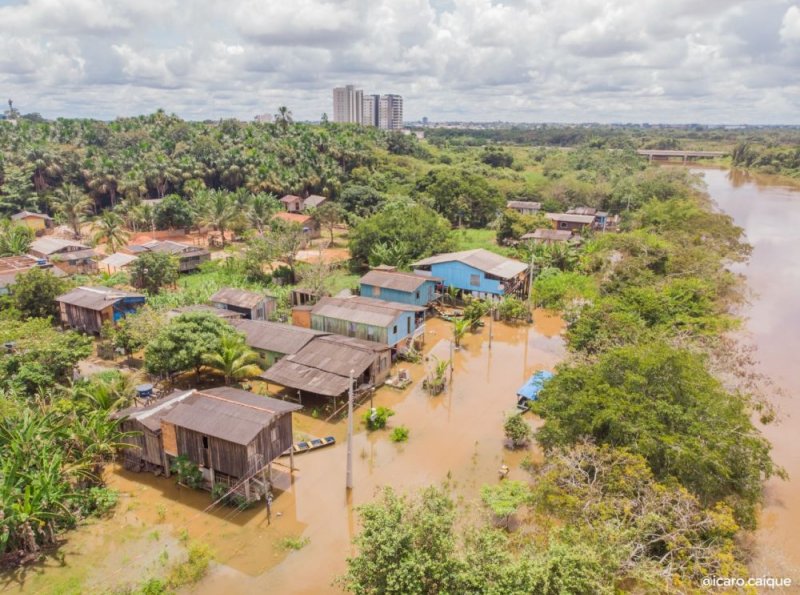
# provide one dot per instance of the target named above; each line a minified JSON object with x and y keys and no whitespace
{"x":455,"y":437}
{"x":769,"y":212}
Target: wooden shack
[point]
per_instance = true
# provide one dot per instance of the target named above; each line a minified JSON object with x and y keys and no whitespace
{"x":250,"y":304}
{"x":38,"y":222}
{"x":71,"y":257}
{"x":189,"y":257}
{"x":88,"y":308}
{"x":232,"y":436}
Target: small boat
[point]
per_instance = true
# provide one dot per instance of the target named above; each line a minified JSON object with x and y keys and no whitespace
{"x":530,"y":390}
{"x":400,"y":381}
{"x":313,"y":444}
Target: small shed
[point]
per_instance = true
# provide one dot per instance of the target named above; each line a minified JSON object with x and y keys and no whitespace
{"x":524,"y":207}
{"x":548,"y":236}
{"x":396,"y":286}
{"x":530,"y":390}
{"x":307,"y":222}
{"x":117,"y":262}
{"x":71,"y":257}
{"x":250,"y":304}
{"x":88,"y":308}
{"x":38,"y":222}
{"x":292,"y":203}
{"x":189,"y":257}
{"x":571,"y":221}
{"x":314,"y":201}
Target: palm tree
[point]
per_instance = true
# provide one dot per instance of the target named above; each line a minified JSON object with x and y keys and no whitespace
{"x":109,"y":228}
{"x":460,"y":328}
{"x":72,"y":204}
{"x":216,"y":209}
{"x":261,"y":210}
{"x":233,"y":359}
{"x":283,"y":118}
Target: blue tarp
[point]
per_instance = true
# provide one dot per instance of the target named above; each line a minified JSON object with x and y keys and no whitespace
{"x":530,"y":390}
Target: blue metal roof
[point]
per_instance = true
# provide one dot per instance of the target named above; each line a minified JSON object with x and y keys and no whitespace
{"x":530,"y":390}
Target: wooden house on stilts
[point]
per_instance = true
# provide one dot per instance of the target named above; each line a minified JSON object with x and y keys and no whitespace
{"x":232,"y":435}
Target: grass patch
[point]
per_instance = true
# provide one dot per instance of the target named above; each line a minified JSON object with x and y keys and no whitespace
{"x":469,"y":239}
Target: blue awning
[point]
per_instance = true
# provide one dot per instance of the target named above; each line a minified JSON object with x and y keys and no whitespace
{"x":530,"y":390}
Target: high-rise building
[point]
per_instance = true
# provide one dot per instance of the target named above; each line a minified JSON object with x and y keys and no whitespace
{"x":390,"y":113}
{"x":348,"y":104}
{"x":371,"y":110}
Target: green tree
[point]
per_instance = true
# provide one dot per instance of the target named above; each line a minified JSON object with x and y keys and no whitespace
{"x":174,"y":212}
{"x":405,"y":546}
{"x":505,"y":498}
{"x":184,"y":342}
{"x":329,"y":215}
{"x":153,"y":270}
{"x":415,"y":231}
{"x":517,"y":430}
{"x":35,"y":293}
{"x":361,"y":201}
{"x":233,"y":360}
{"x":465,"y":198}
{"x":216,"y":209}
{"x":662,"y":404}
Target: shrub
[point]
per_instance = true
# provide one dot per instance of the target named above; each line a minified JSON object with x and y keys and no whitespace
{"x":188,"y":473}
{"x":513,"y":308}
{"x":376,"y":418}
{"x":399,"y":434}
{"x":517,"y":430}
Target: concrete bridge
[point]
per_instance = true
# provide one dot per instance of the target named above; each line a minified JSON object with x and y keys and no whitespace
{"x":665,"y":154}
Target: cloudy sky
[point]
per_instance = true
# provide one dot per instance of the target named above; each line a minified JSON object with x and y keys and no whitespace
{"x":709,"y":61}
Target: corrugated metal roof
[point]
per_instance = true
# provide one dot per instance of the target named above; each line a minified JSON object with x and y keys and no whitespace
{"x":25,"y":214}
{"x":548,"y":234}
{"x":293,"y":217}
{"x":49,"y":245}
{"x":570,"y":218}
{"x":396,"y":280}
{"x":203,"y":308}
{"x":290,"y":198}
{"x":523,"y":204}
{"x":323,"y":366}
{"x":74,"y":255}
{"x":227,"y":413}
{"x":240,"y":298}
{"x":95,"y":298}
{"x":118,"y":259}
{"x":483,"y":260}
{"x":362,"y":310}
{"x":582,"y":211}
{"x":150,"y":415}
{"x":170,"y":247}
{"x":274,"y":336}
{"x":314,"y":200}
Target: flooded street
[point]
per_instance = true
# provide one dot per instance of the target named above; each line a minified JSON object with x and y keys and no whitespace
{"x":770,"y":216}
{"x":456,"y":437}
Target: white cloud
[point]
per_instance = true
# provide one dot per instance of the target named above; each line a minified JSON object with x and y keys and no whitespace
{"x":524,"y":60}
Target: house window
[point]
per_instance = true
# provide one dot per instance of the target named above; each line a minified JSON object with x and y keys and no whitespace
{"x":475,"y":280}
{"x":563,"y":224}
{"x":370,"y":333}
{"x":408,"y":325}
{"x":376,"y":292}
{"x":205,"y":441}
{"x":274,"y":434}
{"x":394,"y":330}
{"x":351,"y":328}
{"x":418,"y":295}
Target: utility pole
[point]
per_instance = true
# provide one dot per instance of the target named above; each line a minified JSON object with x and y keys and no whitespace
{"x":350,"y":434}
{"x":491,"y":323}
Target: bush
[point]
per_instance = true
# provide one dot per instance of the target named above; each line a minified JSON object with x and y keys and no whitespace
{"x":517,"y":430}
{"x":376,"y":418}
{"x":188,"y":473}
{"x":399,"y":434}
{"x":513,"y":308}
{"x":558,"y":289}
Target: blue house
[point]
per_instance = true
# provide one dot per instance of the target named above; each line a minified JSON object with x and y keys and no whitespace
{"x":394,"y":286}
{"x":478,"y":272}
{"x":369,"y":319}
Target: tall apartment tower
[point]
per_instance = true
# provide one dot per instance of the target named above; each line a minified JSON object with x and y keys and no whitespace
{"x":371,"y":110}
{"x":348,"y":104}
{"x":390,"y":112}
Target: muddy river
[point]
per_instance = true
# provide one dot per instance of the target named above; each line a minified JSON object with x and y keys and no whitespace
{"x":455,"y":437}
{"x":770,"y":215}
